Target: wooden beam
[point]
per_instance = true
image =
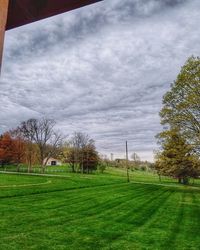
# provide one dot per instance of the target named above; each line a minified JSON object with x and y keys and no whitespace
{"x":3,"y":20}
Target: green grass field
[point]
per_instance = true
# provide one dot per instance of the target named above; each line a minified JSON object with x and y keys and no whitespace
{"x":100,"y":211}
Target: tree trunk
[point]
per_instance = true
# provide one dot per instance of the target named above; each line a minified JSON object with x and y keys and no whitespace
{"x":18,"y":167}
{"x":73,"y":168}
{"x":29,"y":168}
{"x":185,"y":180}
{"x":82,"y":164}
{"x":30,"y":157}
{"x":43,"y":169}
{"x":30,"y":164}
{"x":82,"y":169}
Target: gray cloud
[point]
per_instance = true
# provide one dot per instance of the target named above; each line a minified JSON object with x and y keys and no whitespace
{"x":102,"y":69}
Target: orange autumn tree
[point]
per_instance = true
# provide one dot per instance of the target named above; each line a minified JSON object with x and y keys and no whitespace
{"x":19,"y":150}
{"x":12,"y":149}
{"x":6,"y":149}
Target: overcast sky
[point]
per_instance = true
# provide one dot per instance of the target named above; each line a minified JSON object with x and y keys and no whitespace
{"x":102,"y":69}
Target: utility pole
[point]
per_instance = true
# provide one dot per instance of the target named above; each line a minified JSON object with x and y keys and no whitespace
{"x":112,"y":156}
{"x":127,"y":168}
{"x":3,"y":21}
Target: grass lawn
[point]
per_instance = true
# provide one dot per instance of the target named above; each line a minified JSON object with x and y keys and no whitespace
{"x":101,"y":211}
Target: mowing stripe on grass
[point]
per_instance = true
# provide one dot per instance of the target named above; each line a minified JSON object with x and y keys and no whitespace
{"x":26,"y":185}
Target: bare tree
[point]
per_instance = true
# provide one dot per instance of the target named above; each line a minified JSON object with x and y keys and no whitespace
{"x":83,"y":154}
{"x":26,"y":130}
{"x":42,"y":133}
{"x":79,"y":141}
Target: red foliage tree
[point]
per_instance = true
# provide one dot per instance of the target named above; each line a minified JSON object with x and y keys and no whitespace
{"x":12,"y":149}
{"x":6,"y":149}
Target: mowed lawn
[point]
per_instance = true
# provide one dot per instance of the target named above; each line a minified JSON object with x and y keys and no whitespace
{"x":96,"y":212}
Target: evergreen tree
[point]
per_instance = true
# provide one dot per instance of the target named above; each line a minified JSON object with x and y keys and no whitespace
{"x":176,"y":158}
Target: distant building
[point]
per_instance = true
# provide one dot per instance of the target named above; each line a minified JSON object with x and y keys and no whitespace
{"x":120,"y":160}
{"x":52,"y":162}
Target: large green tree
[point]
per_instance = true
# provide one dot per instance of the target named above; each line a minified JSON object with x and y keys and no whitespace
{"x":181,"y":105}
{"x":180,"y":115}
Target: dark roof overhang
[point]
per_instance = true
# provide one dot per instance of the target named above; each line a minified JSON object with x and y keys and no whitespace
{"x":21,"y":12}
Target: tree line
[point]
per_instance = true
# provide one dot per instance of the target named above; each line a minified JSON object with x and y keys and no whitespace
{"x":35,"y":141}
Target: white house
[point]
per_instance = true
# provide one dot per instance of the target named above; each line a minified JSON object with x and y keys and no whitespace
{"x":52,"y":162}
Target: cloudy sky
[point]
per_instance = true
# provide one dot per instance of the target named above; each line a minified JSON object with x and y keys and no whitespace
{"x":102,"y":69}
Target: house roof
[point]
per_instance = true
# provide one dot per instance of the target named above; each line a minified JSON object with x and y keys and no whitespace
{"x":51,"y":159}
{"x":22,"y":12}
